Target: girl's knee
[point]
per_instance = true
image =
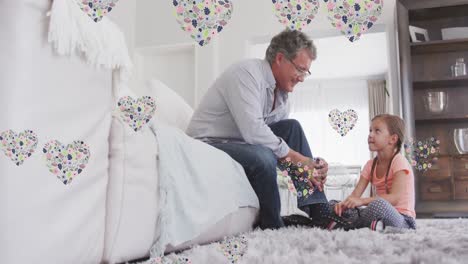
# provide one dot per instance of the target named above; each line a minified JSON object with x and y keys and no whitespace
{"x":380,"y":203}
{"x":380,"y":208}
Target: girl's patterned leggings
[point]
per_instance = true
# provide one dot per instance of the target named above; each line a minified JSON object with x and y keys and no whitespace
{"x":379,"y":209}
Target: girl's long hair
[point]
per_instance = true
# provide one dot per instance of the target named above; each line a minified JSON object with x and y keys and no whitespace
{"x":395,"y":126}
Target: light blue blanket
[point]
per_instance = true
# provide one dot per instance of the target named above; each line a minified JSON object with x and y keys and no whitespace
{"x":199,"y":185}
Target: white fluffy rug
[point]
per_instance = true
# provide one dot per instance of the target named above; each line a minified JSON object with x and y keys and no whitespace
{"x":435,"y":241}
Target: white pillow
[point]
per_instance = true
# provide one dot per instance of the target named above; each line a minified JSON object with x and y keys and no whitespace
{"x":171,"y":108}
{"x":132,"y":199}
{"x":59,"y":98}
{"x":132,"y":207}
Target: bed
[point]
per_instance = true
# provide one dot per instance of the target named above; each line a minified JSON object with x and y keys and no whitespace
{"x":84,"y":189}
{"x":131,"y":237}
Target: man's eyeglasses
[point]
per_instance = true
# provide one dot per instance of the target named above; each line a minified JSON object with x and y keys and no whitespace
{"x":300,"y":72}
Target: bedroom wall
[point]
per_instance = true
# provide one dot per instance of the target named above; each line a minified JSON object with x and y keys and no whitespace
{"x":151,"y":23}
{"x":124,"y":15}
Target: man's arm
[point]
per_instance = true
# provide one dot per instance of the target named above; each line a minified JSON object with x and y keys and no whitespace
{"x":243,"y":98}
{"x":242,"y":95}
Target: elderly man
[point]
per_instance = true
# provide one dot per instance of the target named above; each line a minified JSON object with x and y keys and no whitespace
{"x":245,"y":111}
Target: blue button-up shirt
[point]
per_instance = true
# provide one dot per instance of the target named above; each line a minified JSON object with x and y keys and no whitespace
{"x":238,"y":108}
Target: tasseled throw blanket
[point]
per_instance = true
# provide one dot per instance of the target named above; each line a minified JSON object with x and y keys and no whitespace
{"x":101,"y":43}
{"x":199,"y":185}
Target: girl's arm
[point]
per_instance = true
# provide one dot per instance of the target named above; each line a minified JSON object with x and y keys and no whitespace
{"x":354,"y":199}
{"x":360,"y":187}
{"x":398,"y":188}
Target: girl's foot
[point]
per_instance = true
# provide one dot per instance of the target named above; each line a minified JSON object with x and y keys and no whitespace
{"x":377,"y":225}
{"x":338,"y":223}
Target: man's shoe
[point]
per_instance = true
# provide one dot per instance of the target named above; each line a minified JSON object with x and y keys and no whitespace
{"x":297,"y":220}
{"x":330,"y":222}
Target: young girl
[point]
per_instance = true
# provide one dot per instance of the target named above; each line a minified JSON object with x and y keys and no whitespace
{"x":391,"y":176}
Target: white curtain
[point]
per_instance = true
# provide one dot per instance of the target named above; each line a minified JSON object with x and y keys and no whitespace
{"x":378,"y":96}
{"x":312,"y":101}
{"x":378,"y":100}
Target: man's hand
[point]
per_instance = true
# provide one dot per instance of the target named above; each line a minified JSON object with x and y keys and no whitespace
{"x":315,"y":182}
{"x":319,"y":164}
{"x":321,"y":169}
{"x":320,"y":172}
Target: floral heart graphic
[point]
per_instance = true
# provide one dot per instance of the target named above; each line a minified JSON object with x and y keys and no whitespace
{"x":66,"y":162}
{"x":233,"y":248}
{"x":170,"y":259}
{"x":136,"y":113}
{"x":353,"y":17}
{"x":96,"y":9}
{"x":342,"y":122}
{"x":295,"y":14}
{"x":18,"y":147}
{"x":422,"y":154}
{"x":203,"y":19}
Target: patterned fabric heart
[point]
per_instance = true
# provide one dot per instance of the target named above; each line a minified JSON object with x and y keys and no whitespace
{"x":422,"y":154}
{"x":203,"y":19}
{"x":353,"y":17}
{"x":233,"y":248}
{"x":342,"y":122}
{"x":18,"y":147}
{"x":96,"y":9}
{"x":301,"y":176}
{"x":284,"y":181}
{"x":136,"y":113}
{"x":295,"y":14}
{"x":66,"y":162}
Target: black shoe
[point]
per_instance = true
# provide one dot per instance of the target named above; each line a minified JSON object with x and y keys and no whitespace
{"x":336,"y":222}
{"x":330,"y":222}
{"x":297,"y":220}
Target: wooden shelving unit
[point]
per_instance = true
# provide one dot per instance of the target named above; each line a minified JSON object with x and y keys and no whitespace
{"x":444,"y":82}
{"x":436,"y":46}
{"x":425,"y":67}
{"x":426,"y":12}
{"x":442,"y":119}
{"x":454,"y":155}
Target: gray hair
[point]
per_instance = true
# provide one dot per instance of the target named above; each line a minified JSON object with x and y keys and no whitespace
{"x":289,"y":42}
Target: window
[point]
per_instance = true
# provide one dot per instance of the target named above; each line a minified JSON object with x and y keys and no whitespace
{"x":338,"y":81}
{"x":312,"y":101}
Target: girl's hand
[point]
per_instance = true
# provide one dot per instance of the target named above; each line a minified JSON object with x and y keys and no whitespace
{"x":339,"y":208}
{"x":352,"y":202}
